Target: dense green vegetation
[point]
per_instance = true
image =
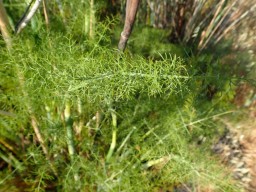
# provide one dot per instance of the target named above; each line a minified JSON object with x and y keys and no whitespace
{"x":78,"y":115}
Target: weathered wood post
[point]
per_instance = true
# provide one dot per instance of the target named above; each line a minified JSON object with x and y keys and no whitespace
{"x":131,"y":10}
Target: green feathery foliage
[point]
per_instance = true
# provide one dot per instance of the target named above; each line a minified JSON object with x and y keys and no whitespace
{"x":77,"y":115}
{"x":156,"y":106}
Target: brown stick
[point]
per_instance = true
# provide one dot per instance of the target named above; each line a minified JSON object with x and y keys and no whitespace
{"x":46,"y":14}
{"x":27,"y":16}
{"x":5,"y":25}
{"x":131,"y":10}
{"x":92,"y":20}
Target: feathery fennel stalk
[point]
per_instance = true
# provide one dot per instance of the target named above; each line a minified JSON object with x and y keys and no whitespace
{"x":100,"y":75}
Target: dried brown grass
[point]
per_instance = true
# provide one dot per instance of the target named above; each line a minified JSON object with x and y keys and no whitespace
{"x":202,"y":22}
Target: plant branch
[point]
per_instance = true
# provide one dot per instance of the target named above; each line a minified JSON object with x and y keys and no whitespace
{"x":5,"y":26}
{"x":27,"y":16}
{"x":46,"y":13}
{"x":114,"y":133}
{"x":69,"y":126}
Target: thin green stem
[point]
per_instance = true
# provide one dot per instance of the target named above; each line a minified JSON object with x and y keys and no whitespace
{"x":114,"y":133}
{"x":69,"y":130}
